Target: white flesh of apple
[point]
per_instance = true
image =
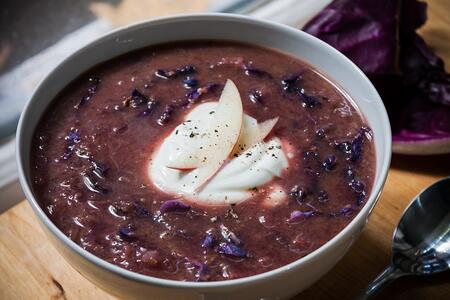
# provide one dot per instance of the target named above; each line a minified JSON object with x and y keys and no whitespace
{"x":266,"y":127}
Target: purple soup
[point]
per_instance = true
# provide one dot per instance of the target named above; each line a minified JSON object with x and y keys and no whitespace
{"x":92,"y":147}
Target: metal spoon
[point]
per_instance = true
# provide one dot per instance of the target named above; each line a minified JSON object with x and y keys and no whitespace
{"x":421,"y":242}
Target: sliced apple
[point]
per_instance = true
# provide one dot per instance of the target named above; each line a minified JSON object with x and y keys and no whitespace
{"x":206,"y":145}
{"x":266,"y":127}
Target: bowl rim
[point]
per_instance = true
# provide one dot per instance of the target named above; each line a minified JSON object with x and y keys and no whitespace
{"x":147,"y":279}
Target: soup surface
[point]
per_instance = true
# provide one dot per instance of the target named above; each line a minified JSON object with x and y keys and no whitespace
{"x":93,"y":150}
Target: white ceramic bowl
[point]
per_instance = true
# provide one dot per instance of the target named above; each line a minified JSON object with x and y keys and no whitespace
{"x":280,"y":283}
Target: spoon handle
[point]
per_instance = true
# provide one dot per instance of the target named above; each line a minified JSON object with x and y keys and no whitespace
{"x":382,"y":280}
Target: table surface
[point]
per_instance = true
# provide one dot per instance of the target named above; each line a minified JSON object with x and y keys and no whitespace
{"x":31,"y":268}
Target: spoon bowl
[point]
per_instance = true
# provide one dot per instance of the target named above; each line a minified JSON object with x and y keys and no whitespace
{"x":421,"y":242}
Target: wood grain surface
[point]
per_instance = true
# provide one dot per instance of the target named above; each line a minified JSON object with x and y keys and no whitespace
{"x":30,"y":268}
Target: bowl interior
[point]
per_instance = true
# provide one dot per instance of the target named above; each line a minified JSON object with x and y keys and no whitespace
{"x":213,"y":27}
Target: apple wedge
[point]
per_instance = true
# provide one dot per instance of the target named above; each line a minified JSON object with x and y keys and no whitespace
{"x":205,"y":143}
{"x":266,"y":127}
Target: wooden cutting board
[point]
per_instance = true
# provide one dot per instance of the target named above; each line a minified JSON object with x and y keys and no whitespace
{"x":30,"y":268}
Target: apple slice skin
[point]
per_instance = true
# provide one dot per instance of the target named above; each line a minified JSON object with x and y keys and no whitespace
{"x":186,"y":169}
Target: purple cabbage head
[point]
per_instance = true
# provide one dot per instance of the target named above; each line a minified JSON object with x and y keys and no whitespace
{"x":380,"y":37}
{"x":354,"y":26}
